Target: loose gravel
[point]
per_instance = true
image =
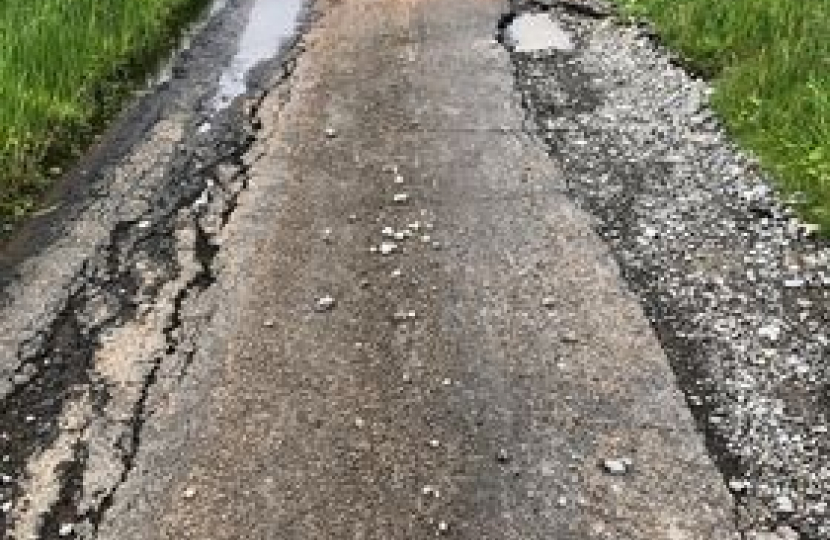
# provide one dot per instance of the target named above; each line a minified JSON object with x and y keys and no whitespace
{"x":733,"y":283}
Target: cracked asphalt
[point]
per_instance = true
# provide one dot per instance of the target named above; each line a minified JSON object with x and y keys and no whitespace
{"x":371,"y":298}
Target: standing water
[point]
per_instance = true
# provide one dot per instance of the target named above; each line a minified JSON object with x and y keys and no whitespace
{"x":531,"y":32}
{"x":270,"y":23}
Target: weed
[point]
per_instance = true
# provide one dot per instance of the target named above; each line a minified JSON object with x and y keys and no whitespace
{"x":770,"y":60}
{"x":63,"y":68}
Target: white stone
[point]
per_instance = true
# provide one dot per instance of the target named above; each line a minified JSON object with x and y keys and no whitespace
{"x":400,"y":197}
{"x":616,"y":467}
{"x":784,"y":505}
{"x":325,"y":303}
{"x":387,"y":248}
{"x":770,"y":332}
{"x":738,"y":486}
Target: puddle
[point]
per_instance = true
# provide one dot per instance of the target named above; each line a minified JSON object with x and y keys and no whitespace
{"x":531,"y":32}
{"x":269,"y":24}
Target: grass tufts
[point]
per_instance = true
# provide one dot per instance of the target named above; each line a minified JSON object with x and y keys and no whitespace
{"x":770,"y":61}
{"x":66,"y":66}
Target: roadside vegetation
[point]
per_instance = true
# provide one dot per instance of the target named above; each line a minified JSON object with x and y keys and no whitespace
{"x":66,"y":66}
{"x":770,"y":61}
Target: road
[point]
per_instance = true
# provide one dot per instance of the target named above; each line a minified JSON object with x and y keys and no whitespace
{"x":368,"y":309}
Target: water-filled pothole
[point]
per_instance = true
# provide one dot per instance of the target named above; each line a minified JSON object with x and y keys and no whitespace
{"x":270,"y":23}
{"x":531,"y":32}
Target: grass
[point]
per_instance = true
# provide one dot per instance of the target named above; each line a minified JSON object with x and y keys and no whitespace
{"x":65,"y":66}
{"x":770,"y":61}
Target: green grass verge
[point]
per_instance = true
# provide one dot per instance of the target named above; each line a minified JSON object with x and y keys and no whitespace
{"x":770,"y":60}
{"x":66,"y":66}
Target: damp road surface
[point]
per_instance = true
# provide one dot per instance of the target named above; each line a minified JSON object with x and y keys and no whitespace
{"x":354,"y":302}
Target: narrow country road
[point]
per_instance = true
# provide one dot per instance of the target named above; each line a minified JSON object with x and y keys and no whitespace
{"x":470,"y":381}
{"x":359,"y":303}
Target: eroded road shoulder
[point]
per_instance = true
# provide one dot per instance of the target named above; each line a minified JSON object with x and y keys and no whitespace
{"x":416,"y":332}
{"x":92,"y":316}
{"x":733,"y":282}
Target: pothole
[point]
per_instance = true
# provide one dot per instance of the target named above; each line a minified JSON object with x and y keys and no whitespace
{"x":530,"y":32}
{"x":270,"y":24}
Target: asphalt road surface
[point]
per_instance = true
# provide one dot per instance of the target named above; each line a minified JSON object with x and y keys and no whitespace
{"x":356,"y":304}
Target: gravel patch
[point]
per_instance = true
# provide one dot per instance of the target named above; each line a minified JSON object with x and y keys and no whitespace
{"x":733,"y":283}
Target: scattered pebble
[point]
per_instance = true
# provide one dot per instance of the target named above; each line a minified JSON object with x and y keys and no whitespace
{"x":387,"y":248}
{"x":785,"y":532}
{"x":325,"y":303}
{"x":738,"y":486}
{"x":268,"y":323}
{"x":66,"y":529}
{"x":616,"y":467}
{"x":402,"y":316}
{"x":400,"y":197}
{"x":331,"y":132}
{"x":784,"y":505}
{"x":548,"y":302}
{"x":443,"y":527}
{"x":434,"y":443}
{"x":502,"y":456}
{"x":189,"y":493}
